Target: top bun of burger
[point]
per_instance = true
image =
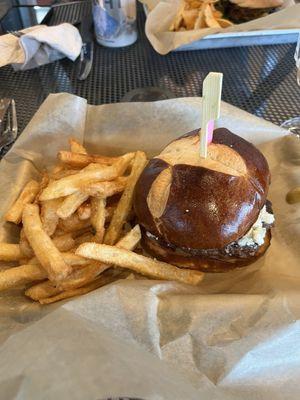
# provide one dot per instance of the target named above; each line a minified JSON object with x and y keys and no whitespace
{"x":201,"y":204}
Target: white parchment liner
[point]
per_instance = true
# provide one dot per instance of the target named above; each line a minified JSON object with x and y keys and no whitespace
{"x":237,"y":336}
{"x":163,"y":12}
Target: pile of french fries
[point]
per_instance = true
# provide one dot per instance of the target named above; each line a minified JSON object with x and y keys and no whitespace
{"x":77,"y":229}
{"x":198,"y":14}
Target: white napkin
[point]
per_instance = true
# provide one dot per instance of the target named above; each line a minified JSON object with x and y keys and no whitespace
{"x":40,"y":45}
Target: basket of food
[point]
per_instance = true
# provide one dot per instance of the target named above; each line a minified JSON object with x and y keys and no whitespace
{"x":203,"y":24}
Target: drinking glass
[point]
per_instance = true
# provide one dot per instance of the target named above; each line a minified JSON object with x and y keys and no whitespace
{"x":293,"y":124}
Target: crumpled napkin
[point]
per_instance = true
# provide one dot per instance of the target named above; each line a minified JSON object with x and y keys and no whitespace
{"x":40,"y":45}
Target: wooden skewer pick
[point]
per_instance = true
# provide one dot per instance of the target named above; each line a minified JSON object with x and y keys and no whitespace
{"x":211,"y":102}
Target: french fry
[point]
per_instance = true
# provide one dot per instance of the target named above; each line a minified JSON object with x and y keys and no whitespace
{"x":57,"y":168}
{"x":33,"y":271}
{"x":69,"y":258}
{"x":84,"y":211}
{"x":210,"y":20}
{"x":224,"y":23}
{"x":63,"y":173}
{"x":14,"y":214}
{"x":32,"y":260}
{"x":16,"y":276}
{"x":59,"y":232}
{"x":125,"y":204}
{"x":99,"y":282}
{"x":74,"y":260}
{"x":73,"y":183}
{"x":64,"y":242}
{"x":82,"y":160}
{"x":86,"y":237}
{"x":76,"y":147}
{"x":138,"y":263}
{"x":43,"y":183}
{"x":83,"y":276}
{"x":70,"y":204}
{"x":49,"y":215}
{"x":131,"y":239}
{"x":80,"y":232}
{"x":24,"y":261}
{"x":198,"y":14}
{"x":46,"y":289}
{"x":10,"y":252}
{"x":79,"y":227}
{"x":217,"y":14}
{"x":109,"y":212}
{"x":200,"y":21}
{"x":105,"y":189}
{"x":98,"y":218}
{"x":25,"y":246}
{"x":190,"y":4}
{"x":43,"y":247}
{"x":42,"y":290}
{"x":178,"y":19}
{"x":189,"y":17}
{"x":86,"y":275}
{"x":73,"y":223}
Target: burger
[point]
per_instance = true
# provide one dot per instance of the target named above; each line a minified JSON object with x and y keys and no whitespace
{"x":209,"y":214}
{"x":239,"y":11}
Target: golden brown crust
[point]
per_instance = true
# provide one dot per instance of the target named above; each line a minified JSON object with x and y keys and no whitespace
{"x":206,"y":208}
{"x":219,"y":158}
{"x":159,"y":193}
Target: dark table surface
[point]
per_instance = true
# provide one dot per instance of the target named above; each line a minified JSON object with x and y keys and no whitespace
{"x":258,"y":79}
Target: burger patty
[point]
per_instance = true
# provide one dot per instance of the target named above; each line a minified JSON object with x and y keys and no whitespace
{"x":232,"y":250}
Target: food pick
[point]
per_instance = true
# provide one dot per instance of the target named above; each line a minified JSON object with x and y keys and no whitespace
{"x":211,"y":102}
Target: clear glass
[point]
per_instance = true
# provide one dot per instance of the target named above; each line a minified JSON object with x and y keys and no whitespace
{"x":115,"y":22}
{"x":293,"y":124}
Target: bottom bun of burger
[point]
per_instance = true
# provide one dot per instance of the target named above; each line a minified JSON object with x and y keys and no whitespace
{"x":205,"y":260}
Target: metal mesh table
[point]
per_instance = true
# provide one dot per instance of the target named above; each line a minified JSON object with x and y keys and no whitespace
{"x":258,"y":79}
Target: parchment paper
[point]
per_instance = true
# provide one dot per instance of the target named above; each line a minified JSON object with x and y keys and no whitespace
{"x":163,"y":12}
{"x":236,"y":336}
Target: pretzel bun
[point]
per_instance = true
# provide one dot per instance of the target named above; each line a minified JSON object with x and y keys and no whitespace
{"x":197,"y":204}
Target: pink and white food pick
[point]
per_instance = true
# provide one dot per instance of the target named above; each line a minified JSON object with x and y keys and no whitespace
{"x":211,"y":103}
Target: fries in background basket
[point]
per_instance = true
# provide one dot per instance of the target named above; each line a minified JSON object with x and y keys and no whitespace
{"x":198,"y":14}
{"x":76,"y":147}
{"x":85,"y":200}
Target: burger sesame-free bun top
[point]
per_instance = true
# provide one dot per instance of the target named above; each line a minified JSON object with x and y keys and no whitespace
{"x":202,"y":203}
